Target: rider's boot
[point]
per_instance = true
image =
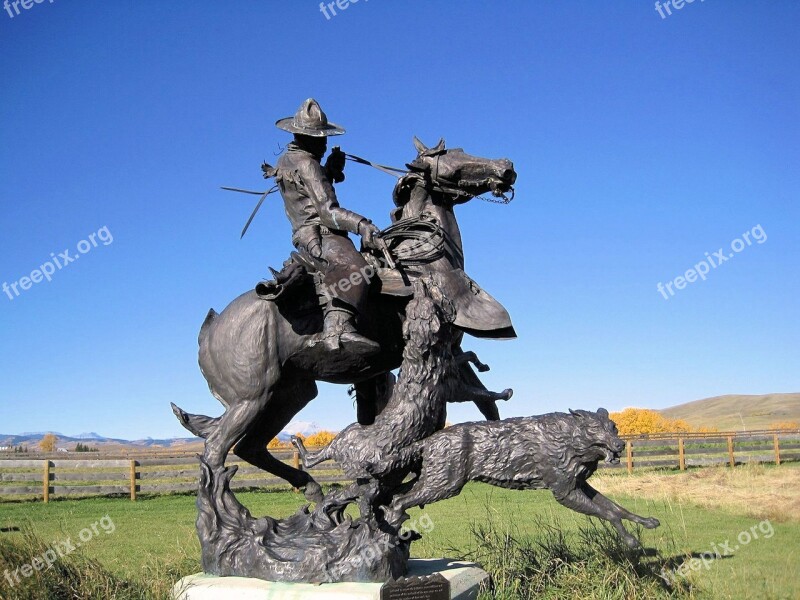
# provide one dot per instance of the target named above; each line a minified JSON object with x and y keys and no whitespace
{"x":339,"y":331}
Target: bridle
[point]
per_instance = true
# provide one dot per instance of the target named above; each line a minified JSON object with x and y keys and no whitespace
{"x":436,"y":182}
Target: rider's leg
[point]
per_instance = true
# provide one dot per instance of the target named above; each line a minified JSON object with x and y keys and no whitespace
{"x":372,"y":396}
{"x":346,"y":282}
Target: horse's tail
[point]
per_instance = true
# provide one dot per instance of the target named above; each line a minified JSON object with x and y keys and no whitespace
{"x":212,"y":314}
{"x":200,"y":425}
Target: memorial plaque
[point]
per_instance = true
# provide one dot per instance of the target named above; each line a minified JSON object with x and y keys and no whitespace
{"x":431,"y":587}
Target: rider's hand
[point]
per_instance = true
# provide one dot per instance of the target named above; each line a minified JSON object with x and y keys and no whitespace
{"x":334,"y":166}
{"x":314,"y":248}
{"x":369,"y":234}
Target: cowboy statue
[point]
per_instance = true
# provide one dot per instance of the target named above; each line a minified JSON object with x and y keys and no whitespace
{"x":320,"y":226}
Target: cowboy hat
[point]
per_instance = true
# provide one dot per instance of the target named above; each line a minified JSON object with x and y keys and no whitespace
{"x":309,"y":120}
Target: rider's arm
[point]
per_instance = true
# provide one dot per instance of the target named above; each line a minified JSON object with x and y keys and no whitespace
{"x":323,"y":196}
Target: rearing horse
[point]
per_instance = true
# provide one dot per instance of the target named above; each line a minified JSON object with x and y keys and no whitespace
{"x":255,"y":356}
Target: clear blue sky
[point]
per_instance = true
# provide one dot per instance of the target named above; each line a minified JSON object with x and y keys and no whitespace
{"x":641,"y":143}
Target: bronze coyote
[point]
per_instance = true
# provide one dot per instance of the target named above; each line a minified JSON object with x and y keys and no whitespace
{"x":557,"y":451}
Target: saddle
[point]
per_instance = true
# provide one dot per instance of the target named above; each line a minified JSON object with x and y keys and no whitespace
{"x":298,"y":286}
{"x":298,"y":290}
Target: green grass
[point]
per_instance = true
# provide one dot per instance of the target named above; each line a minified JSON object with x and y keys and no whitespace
{"x":154,"y":539}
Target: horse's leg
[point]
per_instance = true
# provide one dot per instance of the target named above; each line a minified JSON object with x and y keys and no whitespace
{"x":473,"y":393}
{"x":468,"y":379}
{"x":233,"y":424}
{"x":372,"y":395}
{"x":471,"y":385}
{"x":288,"y":399}
{"x":471,"y":357}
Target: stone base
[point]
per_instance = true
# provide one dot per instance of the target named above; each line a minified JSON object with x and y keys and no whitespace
{"x":465,"y":579}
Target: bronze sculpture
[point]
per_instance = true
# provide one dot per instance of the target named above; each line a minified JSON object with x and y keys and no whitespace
{"x":405,"y":302}
{"x":257,"y":357}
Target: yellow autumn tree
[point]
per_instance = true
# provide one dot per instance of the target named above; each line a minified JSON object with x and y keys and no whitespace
{"x":320,"y":438}
{"x":48,"y":443}
{"x":636,"y":421}
{"x":275,"y":444}
{"x":706,"y":429}
{"x":785,"y":425}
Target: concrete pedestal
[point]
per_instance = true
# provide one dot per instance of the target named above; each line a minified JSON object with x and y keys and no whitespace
{"x":465,"y":579}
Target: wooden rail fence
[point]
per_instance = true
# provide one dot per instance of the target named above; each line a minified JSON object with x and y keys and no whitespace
{"x":52,"y":476}
{"x":682,"y":450}
{"x":55,"y":476}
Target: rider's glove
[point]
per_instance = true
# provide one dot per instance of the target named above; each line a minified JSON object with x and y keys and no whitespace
{"x":369,"y":233}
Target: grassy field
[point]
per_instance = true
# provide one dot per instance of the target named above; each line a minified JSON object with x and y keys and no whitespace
{"x":153,"y":540}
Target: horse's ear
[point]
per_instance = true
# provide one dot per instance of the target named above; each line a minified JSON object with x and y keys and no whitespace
{"x":419,"y":145}
{"x":602,"y":412}
{"x":440,"y":146}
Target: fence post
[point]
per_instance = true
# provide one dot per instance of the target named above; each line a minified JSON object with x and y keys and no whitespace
{"x":629,"y":455}
{"x":133,"y":480}
{"x":731,"y":459}
{"x":46,"y":482}
{"x":296,"y":458}
{"x":681,"y":455}
{"x":777,"y":450}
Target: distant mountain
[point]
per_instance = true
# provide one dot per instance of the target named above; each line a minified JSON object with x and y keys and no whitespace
{"x":738,"y":412}
{"x":94,"y":439}
{"x":91,"y":439}
{"x":304,"y":427}
{"x":90,"y":436}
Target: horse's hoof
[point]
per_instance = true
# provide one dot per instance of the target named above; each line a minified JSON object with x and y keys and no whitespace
{"x":313,"y":492}
{"x":506,"y":394}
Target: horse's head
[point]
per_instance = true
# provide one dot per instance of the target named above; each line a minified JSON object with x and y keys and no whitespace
{"x":460,"y":176}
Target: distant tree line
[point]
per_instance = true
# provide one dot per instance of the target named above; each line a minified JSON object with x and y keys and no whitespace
{"x":635,"y":421}
{"x":318,"y":439}
{"x":79,"y":447}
